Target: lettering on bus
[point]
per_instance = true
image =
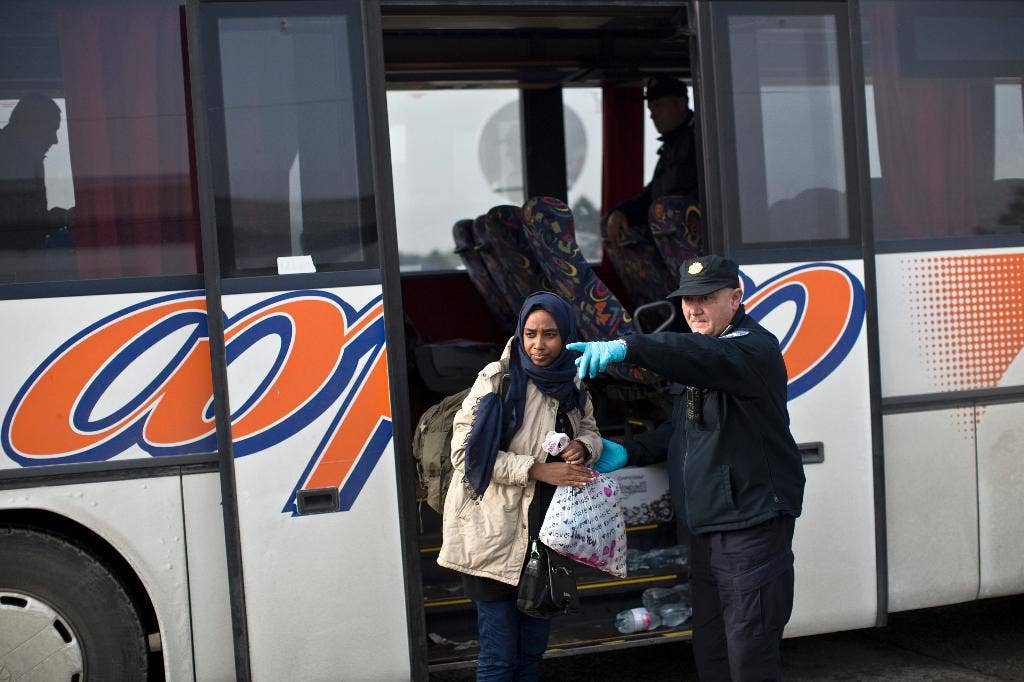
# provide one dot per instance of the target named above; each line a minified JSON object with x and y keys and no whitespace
{"x":830,"y":305}
{"x":328,"y":354}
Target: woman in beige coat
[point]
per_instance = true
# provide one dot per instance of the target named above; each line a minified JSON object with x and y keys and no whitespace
{"x":504,"y":480}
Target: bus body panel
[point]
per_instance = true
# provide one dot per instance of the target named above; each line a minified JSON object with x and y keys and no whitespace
{"x":324,"y":592}
{"x":208,"y":577}
{"x":119,"y":376}
{"x":834,"y":540}
{"x":142,"y":520}
{"x":950,"y":321}
{"x":1000,"y":512}
{"x":931,"y":509}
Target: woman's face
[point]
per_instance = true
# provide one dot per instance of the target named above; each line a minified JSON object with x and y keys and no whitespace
{"x":541,"y":338}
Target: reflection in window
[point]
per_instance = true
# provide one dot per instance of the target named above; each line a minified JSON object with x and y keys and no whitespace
{"x":583,"y":150}
{"x":290,"y":141}
{"x":948,"y":122}
{"x":789,"y":128}
{"x":95,"y":175}
{"x":455,"y":154}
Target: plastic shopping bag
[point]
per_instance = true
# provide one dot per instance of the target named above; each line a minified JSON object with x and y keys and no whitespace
{"x":585,"y":524}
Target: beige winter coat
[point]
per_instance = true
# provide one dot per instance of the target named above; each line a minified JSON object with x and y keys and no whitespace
{"x":487,"y":537}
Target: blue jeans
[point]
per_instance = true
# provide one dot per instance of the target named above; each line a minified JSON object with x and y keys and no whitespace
{"x":511,"y":642}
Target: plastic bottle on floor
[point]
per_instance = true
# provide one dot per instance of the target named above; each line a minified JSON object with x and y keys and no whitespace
{"x":636,"y":620}
{"x":674,"y":615}
{"x":654,"y":597}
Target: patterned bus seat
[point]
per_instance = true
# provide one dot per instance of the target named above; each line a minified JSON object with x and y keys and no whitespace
{"x":549,"y":228}
{"x":675,"y":223}
{"x":465,"y":246}
{"x":639,"y":265}
{"x":500,"y":272}
{"x":504,"y":228}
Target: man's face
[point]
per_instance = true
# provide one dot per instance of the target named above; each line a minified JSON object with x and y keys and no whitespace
{"x":711,"y":313}
{"x":41,"y":133}
{"x":667,"y":113}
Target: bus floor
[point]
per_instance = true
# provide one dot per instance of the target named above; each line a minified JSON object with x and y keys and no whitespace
{"x":974,"y":641}
{"x":451,"y":618}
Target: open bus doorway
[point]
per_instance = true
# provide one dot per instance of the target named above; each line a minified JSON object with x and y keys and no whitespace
{"x":463,"y":127}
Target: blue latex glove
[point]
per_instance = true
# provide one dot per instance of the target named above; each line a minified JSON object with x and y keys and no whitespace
{"x":597,"y":355}
{"x":613,"y":456}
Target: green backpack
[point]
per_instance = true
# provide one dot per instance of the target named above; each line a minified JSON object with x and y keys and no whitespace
{"x":432,"y":447}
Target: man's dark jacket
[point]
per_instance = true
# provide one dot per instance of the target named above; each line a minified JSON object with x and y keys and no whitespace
{"x":739,"y":466}
{"x":676,"y":173}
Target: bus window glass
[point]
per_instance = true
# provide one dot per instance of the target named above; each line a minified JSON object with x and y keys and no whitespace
{"x":790,"y":166}
{"x":454,"y":154}
{"x":583,"y":150}
{"x":96,"y":176}
{"x":945,"y":72}
{"x":289,"y":139}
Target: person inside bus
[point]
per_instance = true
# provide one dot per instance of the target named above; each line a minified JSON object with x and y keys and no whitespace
{"x":676,"y":171}
{"x":25,"y":221}
{"x":504,"y":480}
{"x":735,"y":471}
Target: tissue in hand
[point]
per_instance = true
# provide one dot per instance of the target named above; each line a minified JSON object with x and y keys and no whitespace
{"x":555,"y":442}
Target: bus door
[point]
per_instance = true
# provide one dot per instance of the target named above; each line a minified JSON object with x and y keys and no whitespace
{"x":296,"y":209}
{"x":783,"y":199}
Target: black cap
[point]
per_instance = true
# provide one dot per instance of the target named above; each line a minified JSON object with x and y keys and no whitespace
{"x":699,"y":276}
{"x":663,"y":86}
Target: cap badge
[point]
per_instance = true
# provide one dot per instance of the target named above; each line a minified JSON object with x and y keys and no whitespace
{"x":695,"y":268}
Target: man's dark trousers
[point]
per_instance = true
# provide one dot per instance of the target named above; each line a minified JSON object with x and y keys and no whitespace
{"x":742,"y":586}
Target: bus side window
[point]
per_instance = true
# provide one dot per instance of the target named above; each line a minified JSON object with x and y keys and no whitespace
{"x":95,"y":172}
{"x":290,"y":150}
{"x":945,"y":124}
{"x":789,"y":161}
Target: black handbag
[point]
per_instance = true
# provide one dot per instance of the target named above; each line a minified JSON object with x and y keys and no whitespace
{"x":548,"y":584}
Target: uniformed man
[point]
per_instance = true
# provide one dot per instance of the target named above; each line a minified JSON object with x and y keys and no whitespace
{"x":676,"y":171}
{"x":735,"y":470}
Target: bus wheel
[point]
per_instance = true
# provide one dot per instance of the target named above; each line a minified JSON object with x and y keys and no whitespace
{"x":63,"y":615}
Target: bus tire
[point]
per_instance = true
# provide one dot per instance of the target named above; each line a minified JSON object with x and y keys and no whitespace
{"x":44,"y":576}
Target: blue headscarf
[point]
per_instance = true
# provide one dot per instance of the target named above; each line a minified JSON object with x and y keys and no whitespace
{"x":497,"y":420}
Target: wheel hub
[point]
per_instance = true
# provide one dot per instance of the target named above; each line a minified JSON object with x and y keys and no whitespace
{"x":36,"y":642}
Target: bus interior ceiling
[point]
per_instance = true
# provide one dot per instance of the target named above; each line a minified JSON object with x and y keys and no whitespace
{"x":449,"y":47}
{"x":444,"y":49}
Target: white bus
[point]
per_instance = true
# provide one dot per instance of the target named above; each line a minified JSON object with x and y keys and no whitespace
{"x":225,"y":250}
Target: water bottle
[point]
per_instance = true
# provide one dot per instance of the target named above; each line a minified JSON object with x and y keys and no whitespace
{"x":636,"y":561}
{"x":636,"y":620}
{"x":668,"y":557}
{"x":655,"y":597}
{"x":674,"y":615}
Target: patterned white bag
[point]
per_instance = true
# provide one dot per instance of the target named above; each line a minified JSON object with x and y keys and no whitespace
{"x":585,"y":524}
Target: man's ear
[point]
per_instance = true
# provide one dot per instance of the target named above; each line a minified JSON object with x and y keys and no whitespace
{"x":735,"y":297}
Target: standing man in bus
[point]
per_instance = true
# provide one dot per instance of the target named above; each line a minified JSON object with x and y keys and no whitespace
{"x":676,"y":172}
{"x":735,"y":471}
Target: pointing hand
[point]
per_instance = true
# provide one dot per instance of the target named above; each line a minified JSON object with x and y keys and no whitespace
{"x":597,"y":355}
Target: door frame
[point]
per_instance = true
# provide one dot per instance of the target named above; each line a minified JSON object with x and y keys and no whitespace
{"x":707,"y":82}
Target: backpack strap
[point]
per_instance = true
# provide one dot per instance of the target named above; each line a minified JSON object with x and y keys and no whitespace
{"x":506,"y":381}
